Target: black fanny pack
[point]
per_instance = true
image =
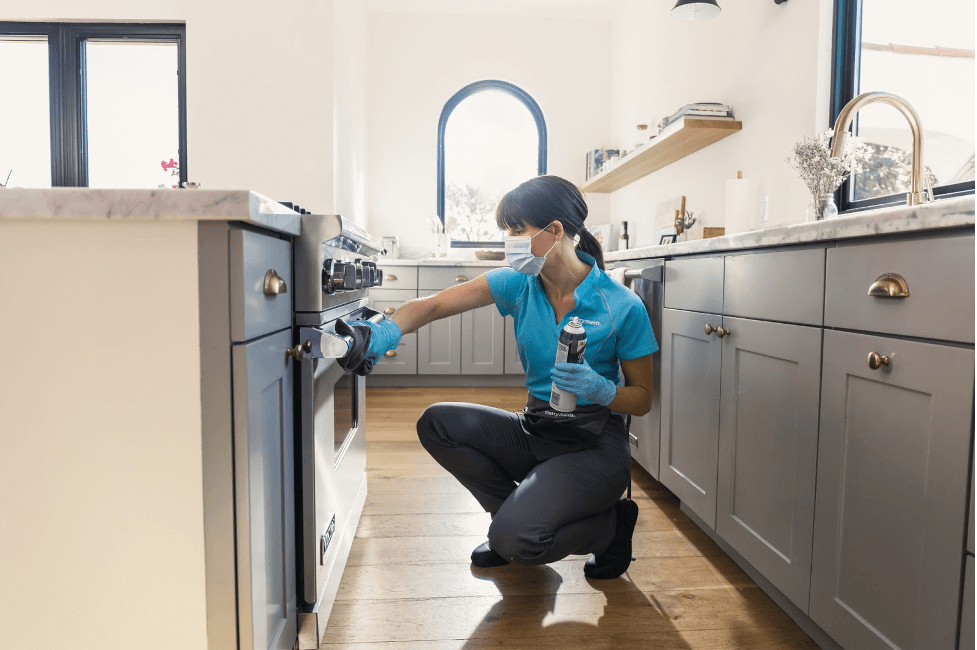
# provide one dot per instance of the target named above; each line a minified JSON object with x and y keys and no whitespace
{"x":580,"y":428}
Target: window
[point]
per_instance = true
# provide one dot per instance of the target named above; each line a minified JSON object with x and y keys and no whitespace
{"x":491,"y":138}
{"x":99,"y":105}
{"x":924,"y":54}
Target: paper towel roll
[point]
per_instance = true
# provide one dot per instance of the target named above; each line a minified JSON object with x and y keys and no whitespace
{"x":740,"y":205}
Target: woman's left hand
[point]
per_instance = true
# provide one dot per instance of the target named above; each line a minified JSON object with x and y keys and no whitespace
{"x":584,"y":382}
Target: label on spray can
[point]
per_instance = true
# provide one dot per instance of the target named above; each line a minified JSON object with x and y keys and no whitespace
{"x":569,"y":349}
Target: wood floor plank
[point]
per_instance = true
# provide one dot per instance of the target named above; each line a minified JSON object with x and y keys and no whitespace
{"x":409,"y":583}
{"x":393,"y":581}
{"x":505,"y":616}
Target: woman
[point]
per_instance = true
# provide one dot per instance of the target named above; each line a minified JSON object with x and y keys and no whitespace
{"x":552,"y":481}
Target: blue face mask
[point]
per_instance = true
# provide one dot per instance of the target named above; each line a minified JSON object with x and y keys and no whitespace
{"x":519,"y":254}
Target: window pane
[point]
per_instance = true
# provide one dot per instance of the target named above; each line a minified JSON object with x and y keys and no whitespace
{"x":923,"y":53}
{"x":133,"y":113}
{"x":491,"y":145}
{"x":25,"y":113}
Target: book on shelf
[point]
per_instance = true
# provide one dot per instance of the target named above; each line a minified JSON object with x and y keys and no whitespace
{"x":670,"y":121}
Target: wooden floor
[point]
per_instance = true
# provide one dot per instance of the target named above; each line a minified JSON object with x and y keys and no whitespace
{"x":409,"y":582}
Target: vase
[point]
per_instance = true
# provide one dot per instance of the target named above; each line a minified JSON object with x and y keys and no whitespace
{"x":821,"y":207}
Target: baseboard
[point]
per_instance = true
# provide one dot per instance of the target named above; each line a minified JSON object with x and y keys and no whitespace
{"x":803,"y":621}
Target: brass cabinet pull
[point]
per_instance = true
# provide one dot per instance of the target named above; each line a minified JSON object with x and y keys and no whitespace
{"x":390,"y":353}
{"x":722,"y":332}
{"x":889,"y":285}
{"x":876,"y":360}
{"x":299,"y":351}
{"x":710,"y":329}
{"x":274,"y":284}
{"x":389,"y":310}
{"x":461,"y":278}
{"x":390,"y":277}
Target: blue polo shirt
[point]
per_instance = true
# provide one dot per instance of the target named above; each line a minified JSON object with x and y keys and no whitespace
{"x":613,"y":317}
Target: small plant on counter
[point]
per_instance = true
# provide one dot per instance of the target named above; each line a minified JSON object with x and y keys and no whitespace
{"x":823,"y":174}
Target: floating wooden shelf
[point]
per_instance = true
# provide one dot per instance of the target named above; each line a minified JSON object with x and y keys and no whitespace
{"x":677,"y":142}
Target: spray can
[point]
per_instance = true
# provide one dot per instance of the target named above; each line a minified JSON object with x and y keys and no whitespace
{"x":569,"y":349}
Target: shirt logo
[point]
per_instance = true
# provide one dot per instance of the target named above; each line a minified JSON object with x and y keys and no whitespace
{"x":590,"y":322}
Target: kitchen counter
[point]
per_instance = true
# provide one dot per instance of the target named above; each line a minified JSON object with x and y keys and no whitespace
{"x":440,"y":261}
{"x":942,"y":214}
{"x":84,"y":204}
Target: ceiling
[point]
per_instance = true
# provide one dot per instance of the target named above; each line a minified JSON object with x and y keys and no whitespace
{"x":581,"y":9}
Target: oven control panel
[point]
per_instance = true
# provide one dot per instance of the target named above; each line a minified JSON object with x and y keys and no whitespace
{"x":339,"y":275}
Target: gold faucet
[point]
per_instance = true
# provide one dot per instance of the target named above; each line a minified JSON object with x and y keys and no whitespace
{"x":916,"y":194}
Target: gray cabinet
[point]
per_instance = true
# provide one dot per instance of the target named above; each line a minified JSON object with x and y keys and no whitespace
{"x":512,"y":364}
{"x":768,"y":436}
{"x":265,"y":492}
{"x":439,"y":345}
{"x":402,"y":360}
{"x":890,"y":515}
{"x":482,"y":341}
{"x":967,"y":608}
{"x":691,"y":361}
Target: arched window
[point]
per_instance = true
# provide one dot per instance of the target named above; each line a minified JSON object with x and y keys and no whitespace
{"x":491,"y":138}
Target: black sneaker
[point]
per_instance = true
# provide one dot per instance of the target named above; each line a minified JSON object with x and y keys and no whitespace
{"x":485,"y":557}
{"x":617,"y":558}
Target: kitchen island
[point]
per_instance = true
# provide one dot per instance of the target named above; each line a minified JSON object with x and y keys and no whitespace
{"x":118,"y":510}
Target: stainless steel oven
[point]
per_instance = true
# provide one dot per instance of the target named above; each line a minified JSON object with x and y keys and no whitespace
{"x":647,"y":279}
{"x":334,"y":269}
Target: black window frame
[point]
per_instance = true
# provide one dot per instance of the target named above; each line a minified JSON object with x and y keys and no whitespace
{"x":449,"y":107}
{"x":846,"y":48}
{"x":66,"y":86}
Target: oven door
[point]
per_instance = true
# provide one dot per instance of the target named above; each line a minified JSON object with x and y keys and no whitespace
{"x":332,"y":465}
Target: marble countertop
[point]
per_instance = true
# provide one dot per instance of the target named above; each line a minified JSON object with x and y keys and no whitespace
{"x":944,"y":213}
{"x":84,"y":204}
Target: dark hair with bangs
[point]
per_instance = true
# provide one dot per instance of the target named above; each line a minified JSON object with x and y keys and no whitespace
{"x":542,"y":200}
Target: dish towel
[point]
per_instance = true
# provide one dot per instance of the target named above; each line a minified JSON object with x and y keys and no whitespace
{"x":618,"y":274}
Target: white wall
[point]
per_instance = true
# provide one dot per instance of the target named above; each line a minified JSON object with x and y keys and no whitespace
{"x":260,"y":101}
{"x":770,"y":62}
{"x":350,"y":70}
{"x":418,"y":61}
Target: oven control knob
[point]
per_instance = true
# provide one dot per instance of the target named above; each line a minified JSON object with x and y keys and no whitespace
{"x":369,"y":274}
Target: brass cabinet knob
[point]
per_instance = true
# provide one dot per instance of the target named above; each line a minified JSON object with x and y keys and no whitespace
{"x":390,"y":353}
{"x":710,"y":329}
{"x":461,"y":278}
{"x":889,"y":285}
{"x":390,"y":277}
{"x":274,"y":284}
{"x":389,"y":310}
{"x":299,"y":351}
{"x":722,"y":332}
{"x":876,"y":361}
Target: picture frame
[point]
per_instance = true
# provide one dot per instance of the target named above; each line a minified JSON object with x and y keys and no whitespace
{"x":602,"y":234}
{"x":667,"y":239}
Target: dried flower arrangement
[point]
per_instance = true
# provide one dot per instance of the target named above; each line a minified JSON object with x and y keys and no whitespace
{"x":823,"y":174}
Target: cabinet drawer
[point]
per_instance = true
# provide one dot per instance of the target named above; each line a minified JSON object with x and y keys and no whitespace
{"x":436,"y":278}
{"x":695,"y":285}
{"x":399,"y":277}
{"x":400,"y":361}
{"x":784,"y":286}
{"x":384,"y":299}
{"x":938,"y":272}
{"x":255,"y":310}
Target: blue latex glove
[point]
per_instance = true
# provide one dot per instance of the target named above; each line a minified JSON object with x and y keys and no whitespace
{"x":584,"y":382}
{"x":385,"y":336}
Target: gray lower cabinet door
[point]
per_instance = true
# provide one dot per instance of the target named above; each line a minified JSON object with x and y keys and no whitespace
{"x":890,"y":512}
{"x":768,"y":449}
{"x":439,"y":345}
{"x":482,"y":341}
{"x":512,"y":364}
{"x":967,"y":608}
{"x":264,"y":493}
{"x":691,"y":362}
{"x":400,"y":361}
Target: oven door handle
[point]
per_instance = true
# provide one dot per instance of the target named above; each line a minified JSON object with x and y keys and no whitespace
{"x":324,"y":343}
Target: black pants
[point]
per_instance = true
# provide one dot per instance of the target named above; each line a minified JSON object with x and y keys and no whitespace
{"x":542,"y":511}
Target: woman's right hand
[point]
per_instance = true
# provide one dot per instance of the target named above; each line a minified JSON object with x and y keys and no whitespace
{"x":384,"y":336}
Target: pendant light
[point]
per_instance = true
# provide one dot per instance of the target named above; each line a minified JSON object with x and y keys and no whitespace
{"x":694,"y":10}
